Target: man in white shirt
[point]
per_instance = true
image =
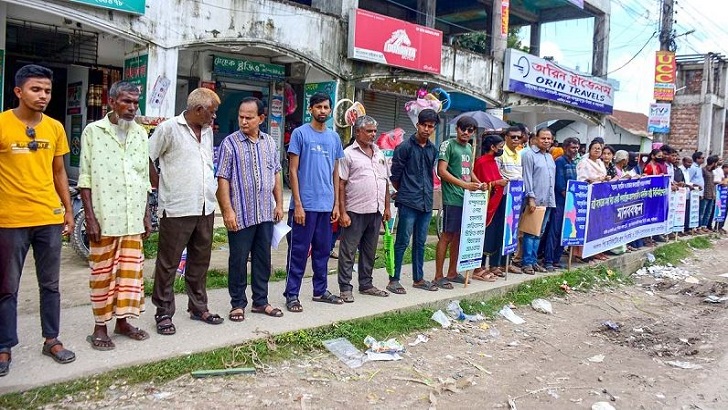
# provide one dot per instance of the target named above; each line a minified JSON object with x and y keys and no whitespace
{"x":187,"y":186}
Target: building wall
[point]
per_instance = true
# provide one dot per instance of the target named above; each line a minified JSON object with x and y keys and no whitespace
{"x":684,"y":127}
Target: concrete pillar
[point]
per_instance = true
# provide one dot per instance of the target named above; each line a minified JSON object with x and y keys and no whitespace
{"x":718,"y":134}
{"x":600,"y":45}
{"x":706,"y":108}
{"x":427,"y":12}
{"x":535,"y":42}
{"x":162,"y":72}
{"x":337,"y":7}
{"x":498,"y":43}
{"x":531,"y":120}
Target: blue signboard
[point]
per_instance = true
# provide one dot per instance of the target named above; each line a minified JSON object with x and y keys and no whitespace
{"x":573,"y":229}
{"x":514,"y":201}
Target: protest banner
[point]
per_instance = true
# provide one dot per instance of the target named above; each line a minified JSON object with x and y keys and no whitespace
{"x":681,"y":198}
{"x":671,"y":209}
{"x":514,"y":200}
{"x":694,"y":216}
{"x":573,"y":229}
{"x":472,"y":230}
{"x":622,"y":211}
{"x":721,"y":196}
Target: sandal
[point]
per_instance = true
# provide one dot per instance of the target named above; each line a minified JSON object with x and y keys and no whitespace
{"x":328,"y":297}
{"x":133,"y":333}
{"x":396,"y":287}
{"x":442,"y":283}
{"x":62,"y":356}
{"x":528,"y":270}
{"x":236,"y":314}
{"x":5,"y":364}
{"x":457,"y":279}
{"x":267,"y":310}
{"x":426,"y":285}
{"x":485,"y":277}
{"x":497,"y":272}
{"x":347,"y":296}
{"x":100,"y":344}
{"x":374,"y":292}
{"x":165,"y":326}
{"x":294,"y":305}
{"x":207,"y":317}
{"x":513,"y":269}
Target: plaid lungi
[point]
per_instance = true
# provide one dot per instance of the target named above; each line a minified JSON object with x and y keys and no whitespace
{"x":117,"y":282}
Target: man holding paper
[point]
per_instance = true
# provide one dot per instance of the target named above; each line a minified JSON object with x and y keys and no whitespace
{"x":249,"y":181}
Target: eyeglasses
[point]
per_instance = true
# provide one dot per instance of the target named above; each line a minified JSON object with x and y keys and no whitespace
{"x":515,"y":136}
{"x":32,"y":145}
{"x":469,"y":130}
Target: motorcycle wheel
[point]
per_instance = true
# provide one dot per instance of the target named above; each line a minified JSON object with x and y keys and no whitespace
{"x":79,"y":240}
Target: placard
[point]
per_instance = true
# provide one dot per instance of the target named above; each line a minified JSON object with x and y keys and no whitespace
{"x":573,"y":229}
{"x":513,"y":196}
{"x":472,"y":230}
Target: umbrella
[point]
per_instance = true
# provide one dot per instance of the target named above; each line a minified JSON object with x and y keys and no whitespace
{"x":484,"y":120}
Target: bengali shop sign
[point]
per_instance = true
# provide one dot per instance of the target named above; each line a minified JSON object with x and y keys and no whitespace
{"x":529,"y":75}
{"x":505,"y":10}
{"x":472,"y":230}
{"x":620,"y":212}
{"x":573,"y":229}
{"x":386,"y":40}
{"x":665,"y":74}
{"x":514,"y":201}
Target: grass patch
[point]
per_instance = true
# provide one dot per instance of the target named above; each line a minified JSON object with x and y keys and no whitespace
{"x":295,"y":344}
{"x":674,"y":252}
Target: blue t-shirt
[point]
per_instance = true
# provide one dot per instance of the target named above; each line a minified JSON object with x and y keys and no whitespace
{"x":317,"y":152}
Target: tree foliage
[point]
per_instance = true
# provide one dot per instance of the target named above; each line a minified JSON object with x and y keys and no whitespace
{"x":478,"y":41}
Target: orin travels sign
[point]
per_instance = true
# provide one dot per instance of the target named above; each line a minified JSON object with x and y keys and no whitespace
{"x":385,"y":40}
{"x":665,"y":72}
{"x":529,"y":75}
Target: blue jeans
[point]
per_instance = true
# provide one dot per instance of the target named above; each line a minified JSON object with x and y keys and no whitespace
{"x":707,"y":207}
{"x":14,"y":246}
{"x":411,"y":223}
{"x":530,"y":242}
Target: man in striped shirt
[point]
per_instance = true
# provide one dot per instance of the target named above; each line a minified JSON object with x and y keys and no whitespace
{"x":248,"y":183}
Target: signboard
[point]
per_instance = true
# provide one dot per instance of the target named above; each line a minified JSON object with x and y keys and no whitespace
{"x":135,"y":72}
{"x":694,"y":217}
{"x":275,"y":116}
{"x":680,"y":205}
{"x":385,"y":40}
{"x":659,"y":118}
{"x":721,"y":201}
{"x":622,"y":211}
{"x":573,"y":228}
{"x":328,"y":87}
{"x":529,"y":75}
{"x":75,"y":140}
{"x":665,"y":74}
{"x":514,"y":201}
{"x":234,"y":67}
{"x":505,"y":9}
{"x":127,"y":6}
{"x":73,"y":98}
{"x":472,"y":230}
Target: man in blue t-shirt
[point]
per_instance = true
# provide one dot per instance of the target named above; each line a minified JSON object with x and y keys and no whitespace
{"x":314,"y":152}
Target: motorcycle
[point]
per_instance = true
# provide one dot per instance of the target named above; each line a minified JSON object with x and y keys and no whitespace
{"x":78,"y":238}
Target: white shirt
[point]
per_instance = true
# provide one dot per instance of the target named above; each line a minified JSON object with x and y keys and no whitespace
{"x":187,"y":182}
{"x":718,"y":175}
{"x":686,"y":174}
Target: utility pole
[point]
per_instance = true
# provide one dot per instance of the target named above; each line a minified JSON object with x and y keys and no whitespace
{"x":666,"y":44}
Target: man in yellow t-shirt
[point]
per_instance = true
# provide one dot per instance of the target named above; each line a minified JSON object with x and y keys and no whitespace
{"x":34,"y":192}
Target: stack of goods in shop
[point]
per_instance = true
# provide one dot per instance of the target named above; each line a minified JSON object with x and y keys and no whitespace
{"x":99,"y":82}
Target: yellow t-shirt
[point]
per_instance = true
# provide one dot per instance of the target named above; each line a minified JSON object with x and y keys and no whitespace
{"x":27,"y":194}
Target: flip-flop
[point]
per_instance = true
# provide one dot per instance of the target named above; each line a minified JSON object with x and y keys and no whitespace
{"x":328,"y":297}
{"x":457,"y":279}
{"x":396,"y":287}
{"x":425,"y":285}
{"x":135,"y":333}
{"x":443,"y":283}
{"x":96,"y":343}
{"x":273,"y":312}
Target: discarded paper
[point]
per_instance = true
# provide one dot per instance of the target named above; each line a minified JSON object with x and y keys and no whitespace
{"x":507,"y":313}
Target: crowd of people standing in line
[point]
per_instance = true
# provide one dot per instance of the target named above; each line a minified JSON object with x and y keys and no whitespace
{"x":353,"y":187}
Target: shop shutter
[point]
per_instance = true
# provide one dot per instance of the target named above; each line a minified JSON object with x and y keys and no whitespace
{"x":381,"y":107}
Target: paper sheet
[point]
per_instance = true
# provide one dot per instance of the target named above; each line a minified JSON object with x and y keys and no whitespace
{"x":280,"y":230}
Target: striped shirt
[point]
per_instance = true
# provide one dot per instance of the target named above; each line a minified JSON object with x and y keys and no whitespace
{"x":251,"y":168}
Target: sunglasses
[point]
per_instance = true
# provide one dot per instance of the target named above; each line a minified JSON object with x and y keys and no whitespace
{"x":32,"y":145}
{"x":469,"y":130}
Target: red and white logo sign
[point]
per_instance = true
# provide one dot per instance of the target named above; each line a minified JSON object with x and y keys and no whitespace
{"x":385,"y":40}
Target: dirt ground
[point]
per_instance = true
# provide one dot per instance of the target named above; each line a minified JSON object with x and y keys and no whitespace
{"x":569,"y":359}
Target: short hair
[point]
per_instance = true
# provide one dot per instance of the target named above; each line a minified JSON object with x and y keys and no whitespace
{"x":570,"y":141}
{"x":490,"y":140}
{"x":123,"y":87}
{"x":467,"y":121}
{"x":667,"y":149}
{"x":596,"y":141}
{"x":513,"y":129}
{"x":258,"y":104}
{"x":318,"y":98}
{"x":29,"y":71}
{"x":522,"y":128}
{"x":363,"y":121}
{"x":202,"y":97}
{"x":696,"y":155}
{"x":428,"y":115}
{"x":540,"y":130}
{"x":687,"y":159}
{"x":712,"y":159}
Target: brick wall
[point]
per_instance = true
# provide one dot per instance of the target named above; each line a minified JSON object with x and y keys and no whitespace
{"x":684,"y":124}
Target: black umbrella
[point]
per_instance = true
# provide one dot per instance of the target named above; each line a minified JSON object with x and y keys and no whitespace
{"x":484,"y":120}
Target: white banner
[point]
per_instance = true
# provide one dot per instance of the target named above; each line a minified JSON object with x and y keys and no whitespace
{"x":681,"y":198}
{"x":472,"y":230}
{"x":694,"y":209}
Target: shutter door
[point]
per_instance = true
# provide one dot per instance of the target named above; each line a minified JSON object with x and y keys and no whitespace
{"x":381,"y":107}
